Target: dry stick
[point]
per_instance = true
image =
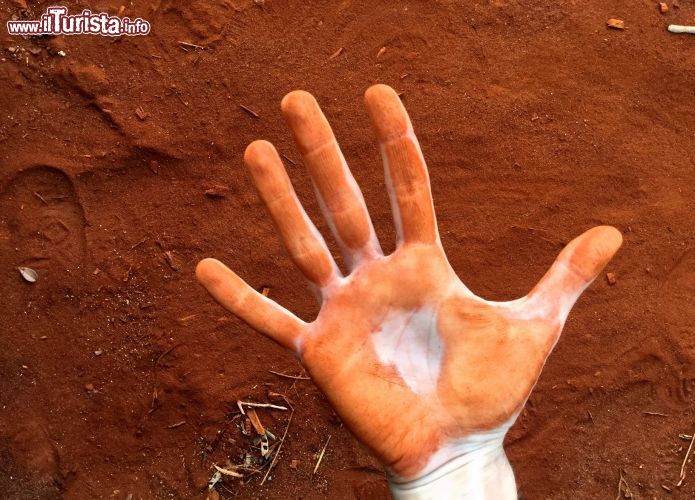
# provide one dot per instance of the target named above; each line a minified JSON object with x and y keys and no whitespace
{"x":139,"y":243}
{"x":285,"y":375}
{"x":227,"y":472}
{"x":241,"y":405}
{"x":622,"y":481}
{"x":177,"y":424}
{"x":323,"y":451}
{"x":193,"y":45}
{"x":654,"y":413}
{"x":165,"y":353}
{"x":40,"y":197}
{"x":249,"y":111}
{"x":336,"y":53}
{"x":282,"y":441}
{"x":685,"y":460}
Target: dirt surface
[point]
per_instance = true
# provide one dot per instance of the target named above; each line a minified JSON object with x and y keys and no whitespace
{"x":537,"y":122}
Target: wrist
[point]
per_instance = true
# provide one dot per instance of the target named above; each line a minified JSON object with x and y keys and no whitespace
{"x":474,"y":467}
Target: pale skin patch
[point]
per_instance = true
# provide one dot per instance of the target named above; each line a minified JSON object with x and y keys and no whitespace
{"x":423,"y":372}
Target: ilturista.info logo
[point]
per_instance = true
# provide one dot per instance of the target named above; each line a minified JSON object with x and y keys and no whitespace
{"x":57,"y":21}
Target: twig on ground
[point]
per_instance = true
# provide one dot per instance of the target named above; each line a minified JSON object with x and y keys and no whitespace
{"x":227,"y":472}
{"x":654,"y":413}
{"x":621,"y":482}
{"x":285,"y":375}
{"x":685,"y":460}
{"x":40,"y":197}
{"x":241,"y":405}
{"x":282,"y":439}
{"x":192,"y":45}
{"x":249,"y":111}
{"x":177,"y":424}
{"x":336,"y":53}
{"x":168,"y":351}
{"x":323,"y":451}
{"x":139,"y":243}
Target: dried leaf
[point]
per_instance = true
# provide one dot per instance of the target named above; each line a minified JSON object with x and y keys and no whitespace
{"x":255,"y":421}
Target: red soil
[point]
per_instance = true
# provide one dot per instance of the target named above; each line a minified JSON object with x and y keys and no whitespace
{"x":537,"y":122}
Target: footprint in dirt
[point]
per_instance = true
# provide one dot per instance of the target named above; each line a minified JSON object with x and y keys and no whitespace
{"x":44,"y":220}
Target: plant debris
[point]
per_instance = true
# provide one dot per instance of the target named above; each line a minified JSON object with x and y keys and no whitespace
{"x":141,"y":113}
{"x":249,"y":111}
{"x":323,"y":452}
{"x":685,"y":461}
{"x":226,"y":472}
{"x":241,"y":405}
{"x":336,"y":53}
{"x":285,"y":375}
{"x":675,"y":28}
{"x":623,"y":488}
{"x":28,"y":274}
{"x":217,"y":191}
{"x":169,"y":257}
{"x":255,"y":421}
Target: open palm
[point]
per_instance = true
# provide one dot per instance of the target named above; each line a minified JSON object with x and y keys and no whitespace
{"x":418,"y":367}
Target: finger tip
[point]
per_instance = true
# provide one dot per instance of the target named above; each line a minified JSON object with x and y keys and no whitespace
{"x":257,"y":150}
{"x":591,"y":252}
{"x":296,"y":103}
{"x":613,"y":235}
{"x":378,"y":92}
{"x":608,"y":240}
{"x":386,"y":111}
{"x":205,"y":269}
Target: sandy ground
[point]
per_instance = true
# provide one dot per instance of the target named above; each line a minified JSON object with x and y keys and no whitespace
{"x":119,"y":376}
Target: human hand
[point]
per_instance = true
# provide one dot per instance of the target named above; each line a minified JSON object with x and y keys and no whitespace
{"x":426,"y":374}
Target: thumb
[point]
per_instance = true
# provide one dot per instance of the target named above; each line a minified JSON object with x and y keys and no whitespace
{"x":573,"y":271}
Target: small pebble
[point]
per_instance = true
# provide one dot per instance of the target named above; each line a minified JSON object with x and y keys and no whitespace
{"x":616,"y":24}
{"x":611,"y":279}
{"x":98,"y":353}
{"x":89,"y":387}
